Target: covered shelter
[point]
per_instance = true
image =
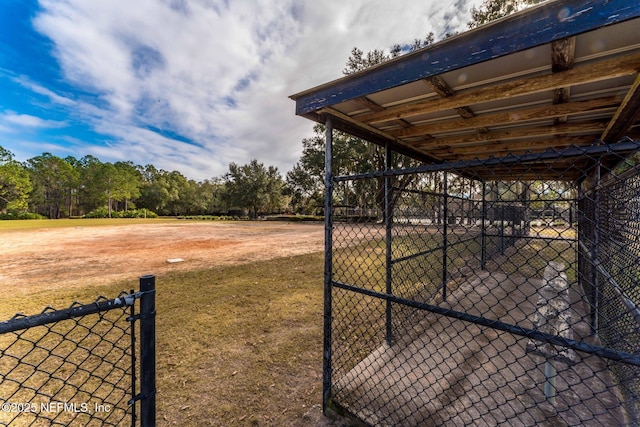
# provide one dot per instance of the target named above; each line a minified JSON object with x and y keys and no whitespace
{"x":499,"y":284}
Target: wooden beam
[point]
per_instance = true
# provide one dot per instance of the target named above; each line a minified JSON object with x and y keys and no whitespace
{"x":562,"y":58}
{"x":562,"y":54}
{"x":369,"y":104}
{"x":497,"y":148}
{"x":374,"y":106}
{"x":593,"y":128}
{"x":627,"y":115}
{"x":510,"y":117}
{"x":585,"y":73}
{"x":350,"y":120}
{"x":442,"y":88}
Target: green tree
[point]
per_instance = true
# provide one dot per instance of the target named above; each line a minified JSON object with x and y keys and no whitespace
{"x":490,"y":10}
{"x":211,"y":191}
{"x":176,"y":192}
{"x":53,"y":178}
{"x":254,"y":187}
{"x":305,"y":190}
{"x":163,"y":192}
{"x":128,"y":182}
{"x":111,"y":181}
{"x":92,"y":194}
{"x":73,"y":197}
{"x":305,"y":182}
{"x":152,"y":193}
{"x":358,"y":61}
{"x":15,"y":184}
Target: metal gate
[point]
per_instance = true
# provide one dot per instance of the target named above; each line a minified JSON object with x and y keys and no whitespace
{"x":79,"y":366}
{"x":458,"y":296}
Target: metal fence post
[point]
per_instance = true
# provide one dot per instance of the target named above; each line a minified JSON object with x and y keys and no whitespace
{"x":595,"y":303}
{"x":328,"y":265}
{"x":388,"y":221}
{"x":445,"y":198}
{"x":501,"y":229}
{"x":148,"y":351}
{"x":483,"y":229}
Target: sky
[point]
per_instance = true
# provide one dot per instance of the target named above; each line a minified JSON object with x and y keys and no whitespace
{"x":186,"y":85}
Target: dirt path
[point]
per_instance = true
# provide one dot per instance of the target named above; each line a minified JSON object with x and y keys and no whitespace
{"x":78,"y":256}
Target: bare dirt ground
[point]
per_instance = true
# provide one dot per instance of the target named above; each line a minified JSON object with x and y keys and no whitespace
{"x":105,"y":254}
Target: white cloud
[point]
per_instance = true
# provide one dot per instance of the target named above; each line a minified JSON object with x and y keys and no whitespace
{"x":217,"y":73}
{"x":10,"y":120}
{"x":41,"y":90}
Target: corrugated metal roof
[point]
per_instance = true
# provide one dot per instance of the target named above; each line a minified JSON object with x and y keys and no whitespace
{"x":561,"y":74}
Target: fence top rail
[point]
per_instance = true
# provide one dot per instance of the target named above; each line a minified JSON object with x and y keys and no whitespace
{"x":595,"y":150}
{"x":49,"y":315}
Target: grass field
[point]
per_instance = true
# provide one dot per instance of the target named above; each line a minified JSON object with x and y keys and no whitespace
{"x":35,"y":224}
{"x":241,"y":345}
{"x":236,"y":345}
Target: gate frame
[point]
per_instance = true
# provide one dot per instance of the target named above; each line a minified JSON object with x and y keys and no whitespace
{"x":146,"y":316}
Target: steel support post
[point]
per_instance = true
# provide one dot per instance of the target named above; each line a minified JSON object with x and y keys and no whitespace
{"x":445,"y":223}
{"x":148,"y":351}
{"x":328,"y":247}
{"x":595,"y":294}
{"x":483,"y":235}
{"x":388,"y":221}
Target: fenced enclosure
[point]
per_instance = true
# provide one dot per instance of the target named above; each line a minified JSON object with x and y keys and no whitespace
{"x":81,"y":366}
{"x":487,"y":292}
{"x":497,"y":283}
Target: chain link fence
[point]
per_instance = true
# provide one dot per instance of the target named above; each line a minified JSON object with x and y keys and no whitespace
{"x":78,"y":366}
{"x":496,"y":292}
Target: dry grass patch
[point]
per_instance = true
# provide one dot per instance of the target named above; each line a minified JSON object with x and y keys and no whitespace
{"x":236,"y":345}
{"x":241,"y":345}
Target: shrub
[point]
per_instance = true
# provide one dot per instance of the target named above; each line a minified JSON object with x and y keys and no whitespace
{"x":103,"y":212}
{"x":213,"y":217}
{"x":295,"y":218}
{"x":138,"y":213}
{"x":22,"y":215}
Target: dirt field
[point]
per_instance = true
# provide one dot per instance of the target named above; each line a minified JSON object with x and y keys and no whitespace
{"x":92,"y":255}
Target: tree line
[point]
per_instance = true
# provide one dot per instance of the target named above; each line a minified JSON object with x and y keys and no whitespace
{"x":54,"y":187}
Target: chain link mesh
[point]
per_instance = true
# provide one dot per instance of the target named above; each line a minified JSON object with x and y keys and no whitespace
{"x":76,"y":371}
{"x":497,"y":293}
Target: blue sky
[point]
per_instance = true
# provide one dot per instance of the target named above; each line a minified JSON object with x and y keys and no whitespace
{"x":185,"y":85}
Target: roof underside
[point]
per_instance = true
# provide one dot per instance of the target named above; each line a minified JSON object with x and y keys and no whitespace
{"x":558,"y":75}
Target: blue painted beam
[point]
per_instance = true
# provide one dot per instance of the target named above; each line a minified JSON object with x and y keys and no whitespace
{"x":536,"y":26}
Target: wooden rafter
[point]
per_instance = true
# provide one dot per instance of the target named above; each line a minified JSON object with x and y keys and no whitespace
{"x":442,"y":88}
{"x":348,"y":119}
{"x":495,"y":148}
{"x":373,"y":106}
{"x":592,"y":128}
{"x":510,"y":117}
{"x":562,"y":58}
{"x":627,"y":115}
{"x":585,"y":73}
